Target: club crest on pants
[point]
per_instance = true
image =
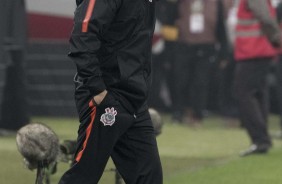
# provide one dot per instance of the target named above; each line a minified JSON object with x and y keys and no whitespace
{"x":109,"y":117}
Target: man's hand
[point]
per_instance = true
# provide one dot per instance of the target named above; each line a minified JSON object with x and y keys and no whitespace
{"x":100,"y":97}
{"x":277,"y":41}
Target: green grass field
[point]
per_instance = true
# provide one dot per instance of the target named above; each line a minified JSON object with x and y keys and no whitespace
{"x":206,"y":155}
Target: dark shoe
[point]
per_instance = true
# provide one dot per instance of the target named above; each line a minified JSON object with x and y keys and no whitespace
{"x":256,"y":149}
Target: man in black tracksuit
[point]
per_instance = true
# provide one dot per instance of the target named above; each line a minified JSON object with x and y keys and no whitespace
{"x":111,"y":47}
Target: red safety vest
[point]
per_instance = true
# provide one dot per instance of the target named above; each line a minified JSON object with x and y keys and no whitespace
{"x":250,"y":42}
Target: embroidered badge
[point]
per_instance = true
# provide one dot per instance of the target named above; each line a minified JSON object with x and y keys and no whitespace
{"x":109,"y":117}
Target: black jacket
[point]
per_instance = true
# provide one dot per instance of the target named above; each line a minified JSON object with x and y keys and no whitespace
{"x":111,"y":47}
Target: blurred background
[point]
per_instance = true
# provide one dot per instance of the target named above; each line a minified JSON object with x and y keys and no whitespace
{"x":36,"y":33}
{"x":36,"y":85}
{"x":35,"y":45}
{"x":36,"y":75}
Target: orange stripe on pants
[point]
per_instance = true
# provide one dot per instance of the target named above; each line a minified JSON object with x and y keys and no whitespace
{"x":88,"y":132}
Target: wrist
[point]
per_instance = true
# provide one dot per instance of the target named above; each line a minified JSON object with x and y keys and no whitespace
{"x":100,"y":97}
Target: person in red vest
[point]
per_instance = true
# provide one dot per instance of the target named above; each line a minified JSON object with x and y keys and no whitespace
{"x":257,"y":39}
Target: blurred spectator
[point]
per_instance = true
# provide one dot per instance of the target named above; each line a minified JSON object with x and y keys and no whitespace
{"x":257,"y":33}
{"x":201,"y":26}
{"x":164,"y":51}
{"x":227,"y":104}
{"x":13,"y":106}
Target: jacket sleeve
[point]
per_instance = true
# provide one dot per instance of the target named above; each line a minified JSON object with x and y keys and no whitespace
{"x":269,"y":25}
{"x":91,"y":18}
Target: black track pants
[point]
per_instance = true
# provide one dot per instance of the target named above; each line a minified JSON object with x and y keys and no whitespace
{"x":110,"y":130}
{"x":251,"y":91}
